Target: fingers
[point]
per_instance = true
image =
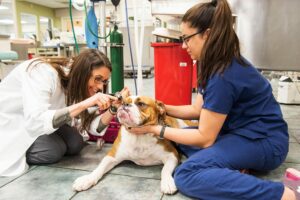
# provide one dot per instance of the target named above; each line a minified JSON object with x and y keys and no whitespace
{"x":125,"y":88}
{"x":125,"y":92}
{"x":113,"y":98}
{"x":120,"y":96}
{"x":140,"y":130}
{"x":104,"y":101}
{"x":135,"y":130}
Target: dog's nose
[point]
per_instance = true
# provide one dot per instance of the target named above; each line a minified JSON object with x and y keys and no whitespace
{"x":125,"y":108}
{"x":126,"y":104}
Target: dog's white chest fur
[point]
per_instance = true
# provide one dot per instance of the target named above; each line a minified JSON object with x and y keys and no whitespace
{"x":142,"y":149}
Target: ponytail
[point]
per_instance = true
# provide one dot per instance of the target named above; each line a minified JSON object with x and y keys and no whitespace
{"x":222,"y":44}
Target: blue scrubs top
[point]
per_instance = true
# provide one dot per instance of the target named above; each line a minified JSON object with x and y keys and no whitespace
{"x":245,"y":96}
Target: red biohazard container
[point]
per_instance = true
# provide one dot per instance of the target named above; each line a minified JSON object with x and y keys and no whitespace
{"x":173,"y":74}
{"x":194,"y":77}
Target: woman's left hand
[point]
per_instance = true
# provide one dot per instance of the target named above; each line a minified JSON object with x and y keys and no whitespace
{"x":141,"y":130}
{"x":124,"y":93}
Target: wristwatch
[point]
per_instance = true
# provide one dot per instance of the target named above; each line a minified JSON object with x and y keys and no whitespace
{"x":162,"y":132}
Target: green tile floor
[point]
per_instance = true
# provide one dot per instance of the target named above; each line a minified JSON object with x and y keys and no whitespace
{"x":127,"y":181}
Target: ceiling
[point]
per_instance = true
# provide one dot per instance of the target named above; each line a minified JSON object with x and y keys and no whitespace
{"x":51,"y":3}
{"x":57,"y":3}
{"x":6,"y":14}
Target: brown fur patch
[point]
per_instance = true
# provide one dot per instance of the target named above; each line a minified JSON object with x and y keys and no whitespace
{"x":191,"y":123}
{"x":112,"y":152}
{"x":168,"y":146}
{"x":149,"y":110}
{"x":172,"y":122}
{"x":127,"y":100}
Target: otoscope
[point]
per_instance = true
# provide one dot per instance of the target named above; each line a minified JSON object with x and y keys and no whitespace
{"x":93,"y":109}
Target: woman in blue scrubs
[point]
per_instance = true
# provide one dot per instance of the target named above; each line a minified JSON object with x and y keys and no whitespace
{"x":240,"y":123}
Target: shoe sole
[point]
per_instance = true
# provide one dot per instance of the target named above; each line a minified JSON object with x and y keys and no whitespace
{"x":292,"y":180}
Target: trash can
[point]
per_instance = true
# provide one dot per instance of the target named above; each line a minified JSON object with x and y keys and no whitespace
{"x":173,"y":74}
{"x":194,"y":77}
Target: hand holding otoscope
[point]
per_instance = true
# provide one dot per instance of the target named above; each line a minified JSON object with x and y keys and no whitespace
{"x":93,"y":109}
{"x":119,"y":99}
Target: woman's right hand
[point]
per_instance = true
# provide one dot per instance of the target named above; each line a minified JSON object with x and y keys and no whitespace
{"x":125,"y":92}
{"x":103,"y":101}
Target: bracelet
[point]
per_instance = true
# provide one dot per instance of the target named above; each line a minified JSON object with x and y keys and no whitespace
{"x":162,"y":132}
{"x":113,"y":110}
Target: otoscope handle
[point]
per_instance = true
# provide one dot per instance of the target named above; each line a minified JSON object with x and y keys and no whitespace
{"x":93,"y":109}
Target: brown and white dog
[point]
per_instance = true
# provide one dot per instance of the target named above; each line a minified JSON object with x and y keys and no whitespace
{"x":144,"y":149}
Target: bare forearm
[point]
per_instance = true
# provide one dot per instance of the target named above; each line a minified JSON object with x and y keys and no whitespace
{"x":191,"y":137}
{"x":104,"y":120}
{"x":186,"y":111}
{"x":183,"y":112}
{"x":106,"y":117}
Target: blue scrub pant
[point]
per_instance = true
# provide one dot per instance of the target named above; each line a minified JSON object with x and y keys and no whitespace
{"x":213,"y":173}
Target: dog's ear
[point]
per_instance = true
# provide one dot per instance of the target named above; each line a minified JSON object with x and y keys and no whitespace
{"x":160,"y":106}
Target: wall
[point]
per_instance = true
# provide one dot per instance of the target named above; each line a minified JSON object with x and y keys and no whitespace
{"x":37,"y":10}
{"x":269,"y":32}
{"x":147,"y":58}
{"x":4,"y":43}
{"x":6,"y":29}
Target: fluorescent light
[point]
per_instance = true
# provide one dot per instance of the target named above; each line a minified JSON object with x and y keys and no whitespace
{"x":44,"y":20}
{"x":3,"y":8}
{"x":79,"y":2}
{"x":10,"y":21}
{"x":6,"y":21}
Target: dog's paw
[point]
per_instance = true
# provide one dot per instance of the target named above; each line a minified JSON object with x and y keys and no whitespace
{"x":168,"y":186}
{"x":100,"y":143}
{"x":84,"y":182}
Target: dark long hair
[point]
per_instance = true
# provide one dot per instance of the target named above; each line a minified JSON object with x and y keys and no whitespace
{"x":222,"y":44}
{"x":57,"y":63}
{"x":75,"y":83}
{"x":81,"y":71}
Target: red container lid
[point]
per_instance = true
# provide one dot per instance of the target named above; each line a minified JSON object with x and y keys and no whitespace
{"x":165,"y":44}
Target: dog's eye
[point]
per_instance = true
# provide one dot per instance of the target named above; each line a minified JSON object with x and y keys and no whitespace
{"x":126,"y":104}
{"x":141,"y":104}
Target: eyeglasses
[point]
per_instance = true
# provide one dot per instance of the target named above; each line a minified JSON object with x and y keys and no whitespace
{"x":98,"y":80}
{"x":186,"y":39}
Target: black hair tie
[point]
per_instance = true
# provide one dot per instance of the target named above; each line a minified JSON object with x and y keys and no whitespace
{"x":214,"y":3}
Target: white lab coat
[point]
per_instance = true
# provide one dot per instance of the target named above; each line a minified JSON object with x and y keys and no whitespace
{"x":28,"y":101}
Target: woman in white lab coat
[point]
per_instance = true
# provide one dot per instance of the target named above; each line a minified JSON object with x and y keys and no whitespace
{"x":34,"y":115}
